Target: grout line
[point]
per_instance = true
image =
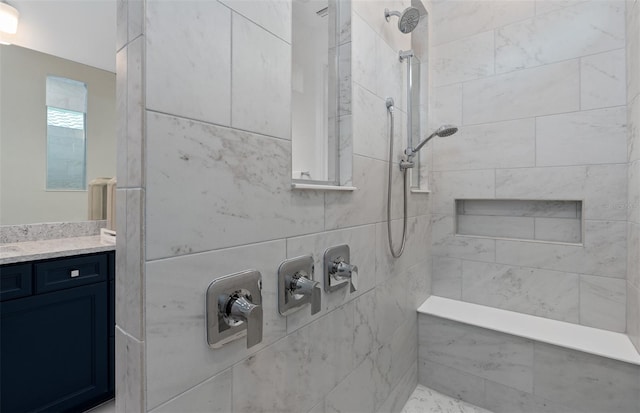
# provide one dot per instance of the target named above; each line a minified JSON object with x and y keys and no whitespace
{"x":524,"y":69}
{"x":231,"y":68}
{"x":218,"y":125}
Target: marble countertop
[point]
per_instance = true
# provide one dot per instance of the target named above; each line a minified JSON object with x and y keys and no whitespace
{"x":52,"y":248}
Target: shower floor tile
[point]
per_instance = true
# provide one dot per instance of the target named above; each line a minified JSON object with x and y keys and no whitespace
{"x":425,"y":400}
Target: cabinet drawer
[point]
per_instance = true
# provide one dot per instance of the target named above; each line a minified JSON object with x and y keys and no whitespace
{"x":15,"y":281}
{"x":70,"y":272}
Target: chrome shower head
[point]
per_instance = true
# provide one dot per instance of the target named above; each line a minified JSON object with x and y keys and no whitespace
{"x":407,"y":20}
{"x":446,"y":130}
{"x":443,"y":131}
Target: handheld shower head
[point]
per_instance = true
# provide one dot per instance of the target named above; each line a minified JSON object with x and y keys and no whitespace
{"x":443,"y":131}
{"x":446,"y":130}
{"x":407,"y":20}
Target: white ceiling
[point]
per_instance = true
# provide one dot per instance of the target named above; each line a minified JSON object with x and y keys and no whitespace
{"x":80,"y":30}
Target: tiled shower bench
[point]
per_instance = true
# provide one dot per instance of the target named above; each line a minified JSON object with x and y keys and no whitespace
{"x":511,"y":362}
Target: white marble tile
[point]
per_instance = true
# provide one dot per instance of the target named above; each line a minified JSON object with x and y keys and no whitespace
{"x":345,"y":150}
{"x":318,"y":408}
{"x":605,"y":194}
{"x":426,"y":400}
{"x":633,"y":51}
{"x":544,"y":90}
{"x":452,"y":382}
{"x":416,"y":247}
{"x":545,"y":6}
{"x":301,"y":368}
{"x":122,"y":92}
{"x":370,"y":124}
{"x":365,"y":53}
{"x":453,"y":20}
{"x":633,"y":129}
{"x":603,"y":253}
{"x":420,"y":279}
{"x":448,"y":186}
{"x":603,"y":303}
{"x":272,"y":15}
{"x":213,"y":395}
{"x":396,"y":401}
{"x":135,"y":134}
{"x":215,"y":170}
{"x":447,"y":244}
{"x":382,"y":363}
{"x":392,"y":307}
{"x":633,"y":315}
{"x":364,"y":206}
{"x":447,"y":277}
{"x":474,"y":147}
{"x":633,"y":258}
{"x":135,"y":17}
{"x":391,"y":74}
{"x":372,"y":12}
{"x":558,"y":230}
{"x":445,"y":107}
{"x":356,"y":393}
{"x":122,"y":17}
{"x":495,"y":226}
{"x":483,"y":353}
{"x":602,"y":80}
{"x":260,"y":80}
{"x":184,"y":69}
{"x":600,"y":134}
{"x":361,"y":241}
{"x":404,"y":348}
{"x":461,"y":60}
{"x":365,"y":330}
{"x":544,"y":293}
{"x":559,"y":183}
{"x":501,"y":398}
{"x":345,"y":85}
{"x":130,"y":262}
{"x":130,"y":373}
{"x":535,"y":42}
{"x":633,"y":207}
{"x":178,"y":356}
{"x":584,"y":381}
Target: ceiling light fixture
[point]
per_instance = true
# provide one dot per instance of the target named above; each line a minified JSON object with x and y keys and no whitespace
{"x":8,"y":21}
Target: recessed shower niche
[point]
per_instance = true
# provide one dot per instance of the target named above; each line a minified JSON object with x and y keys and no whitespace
{"x":534,"y":220}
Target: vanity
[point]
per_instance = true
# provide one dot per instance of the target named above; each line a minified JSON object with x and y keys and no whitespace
{"x":57,"y":326}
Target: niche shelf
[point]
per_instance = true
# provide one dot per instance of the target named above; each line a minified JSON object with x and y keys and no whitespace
{"x":534,"y":220}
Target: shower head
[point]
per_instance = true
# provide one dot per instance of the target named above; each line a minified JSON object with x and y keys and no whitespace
{"x":407,"y":20}
{"x":443,"y":131}
{"x":446,"y":130}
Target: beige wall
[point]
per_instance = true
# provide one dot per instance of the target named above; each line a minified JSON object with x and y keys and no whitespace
{"x":23,"y":198}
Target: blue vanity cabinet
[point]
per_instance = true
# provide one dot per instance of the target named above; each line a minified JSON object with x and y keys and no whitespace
{"x":55,"y":343}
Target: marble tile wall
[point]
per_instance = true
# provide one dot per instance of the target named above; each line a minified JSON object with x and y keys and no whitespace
{"x":130,"y":203}
{"x":205,"y":151}
{"x":505,"y":374}
{"x":541,"y":118}
{"x":633,"y":153}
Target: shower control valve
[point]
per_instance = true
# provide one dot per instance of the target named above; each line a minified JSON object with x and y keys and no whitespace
{"x":296,"y":287}
{"x":234,"y":309}
{"x":338,"y":271}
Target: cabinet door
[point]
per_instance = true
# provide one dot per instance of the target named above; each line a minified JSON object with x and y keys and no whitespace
{"x":54,"y":350}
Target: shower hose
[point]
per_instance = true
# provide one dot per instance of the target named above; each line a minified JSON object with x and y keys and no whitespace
{"x":396,"y":254}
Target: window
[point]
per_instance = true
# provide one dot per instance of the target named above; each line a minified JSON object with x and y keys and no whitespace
{"x":66,"y":134}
